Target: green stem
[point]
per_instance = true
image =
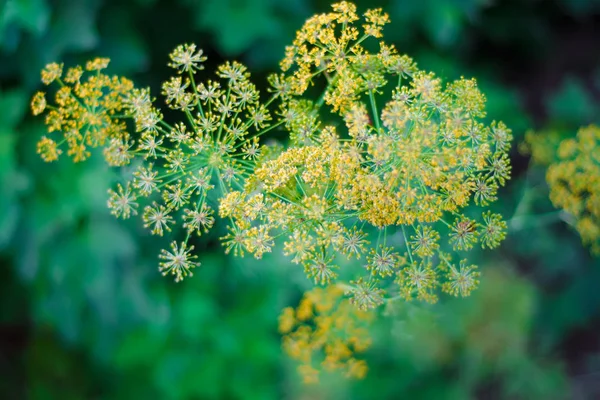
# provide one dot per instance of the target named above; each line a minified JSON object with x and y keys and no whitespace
{"x":407,"y":245}
{"x":374,"y":110}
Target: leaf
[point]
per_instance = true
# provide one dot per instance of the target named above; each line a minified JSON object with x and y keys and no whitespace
{"x":122,"y":42}
{"x":33,"y":15}
{"x":14,"y":104}
{"x":572,"y":105}
{"x":238,"y":24}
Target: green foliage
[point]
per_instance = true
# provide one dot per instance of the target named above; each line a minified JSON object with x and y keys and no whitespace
{"x":572,"y":104}
{"x":12,"y":179}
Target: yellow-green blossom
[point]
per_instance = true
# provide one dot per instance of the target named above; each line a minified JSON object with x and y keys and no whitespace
{"x":325,"y":332}
{"x":574,"y":177}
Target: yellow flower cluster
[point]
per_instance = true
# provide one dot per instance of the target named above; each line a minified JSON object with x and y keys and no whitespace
{"x":574,"y":178}
{"x":87,"y":111}
{"x":413,"y":155}
{"x":217,"y":146}
{"x":325,"y":331}
{"x":406,"y":155}
{"x":176,"y":166}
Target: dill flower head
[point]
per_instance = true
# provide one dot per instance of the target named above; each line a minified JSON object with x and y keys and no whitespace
{"x":180,"y":170}
{"x":122,"y":202}
{"x":573,"y":176}
{"x":179,"y":261}
{"x":85,"y":113}
{"x":406,"y":157}
{"x":325,"y":332}
{"x":51,"y":73}
{"x":38,"y":103}
{"x":185,"y":58}
{"x":48,"y":149}
{"x":187,"y":167}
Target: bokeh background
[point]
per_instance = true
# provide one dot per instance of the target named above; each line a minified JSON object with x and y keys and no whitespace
{"x":84,"y":313}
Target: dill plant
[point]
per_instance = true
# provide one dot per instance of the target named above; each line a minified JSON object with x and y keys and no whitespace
{"x":372,"y":194}
{"x":573,"y":177}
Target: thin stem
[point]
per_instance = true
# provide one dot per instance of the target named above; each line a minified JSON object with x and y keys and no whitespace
{"x":200,"y":110}
{"x":374,"y":110}
{"x":407,"y":246}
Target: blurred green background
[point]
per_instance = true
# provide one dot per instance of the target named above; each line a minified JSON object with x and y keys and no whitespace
{"x":85,"y":314}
